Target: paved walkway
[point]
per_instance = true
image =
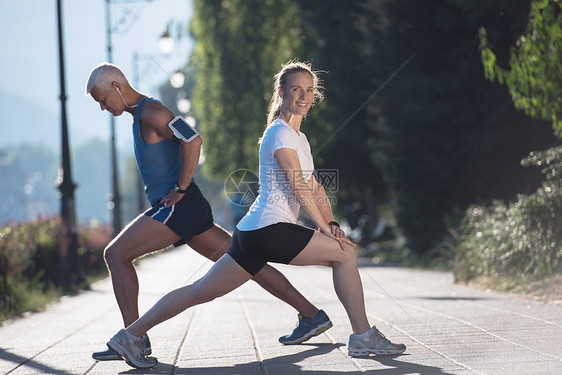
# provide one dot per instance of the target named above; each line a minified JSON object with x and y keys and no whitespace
{"x":448,"y":329}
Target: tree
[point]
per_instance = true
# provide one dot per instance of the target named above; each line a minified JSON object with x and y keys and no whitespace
{"x":339,"y":132}
{"x":408,"y":117}
{"x":523,"y":239}
{"x":437,"y":125}
{"x":239,"y":48}
{"x":535,"y":65}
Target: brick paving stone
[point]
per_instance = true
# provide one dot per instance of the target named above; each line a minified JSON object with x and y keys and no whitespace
{"x":448,"y":328}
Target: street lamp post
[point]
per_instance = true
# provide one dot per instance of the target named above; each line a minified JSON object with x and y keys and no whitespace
{"x":115,"y":198}
{"x":139,"y":184}
{"x":166,"y":46}
{"x":69,"y":250}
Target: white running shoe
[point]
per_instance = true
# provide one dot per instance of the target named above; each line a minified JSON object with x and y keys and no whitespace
{"x":132,"y":349}
{"x":110,"y":355}
{"x":375,"y":343}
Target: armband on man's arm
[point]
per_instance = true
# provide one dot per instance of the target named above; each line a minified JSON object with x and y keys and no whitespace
{"x":182,"y":130}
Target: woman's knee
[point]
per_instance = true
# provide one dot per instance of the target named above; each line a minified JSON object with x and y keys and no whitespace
{"x":346,"y":256}
{"x":350,"y":251}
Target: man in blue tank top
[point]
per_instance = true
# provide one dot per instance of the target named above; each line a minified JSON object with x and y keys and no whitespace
{"x":179,"y":212}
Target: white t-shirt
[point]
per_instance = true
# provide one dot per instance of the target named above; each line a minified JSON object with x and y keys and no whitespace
{"x":276,"y":202}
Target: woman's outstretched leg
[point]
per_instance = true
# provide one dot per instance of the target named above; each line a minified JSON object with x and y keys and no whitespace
{"x":225,"y":276}
{"x":216,"y":241}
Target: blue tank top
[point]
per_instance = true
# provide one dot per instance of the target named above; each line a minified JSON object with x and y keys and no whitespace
{"x":159,"y":163}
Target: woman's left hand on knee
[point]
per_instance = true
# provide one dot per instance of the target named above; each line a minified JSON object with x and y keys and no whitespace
{"x":347,"y":246}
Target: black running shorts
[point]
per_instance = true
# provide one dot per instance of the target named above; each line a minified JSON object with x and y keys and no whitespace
{"x":278,"y":243}
{"x":189,"y":217}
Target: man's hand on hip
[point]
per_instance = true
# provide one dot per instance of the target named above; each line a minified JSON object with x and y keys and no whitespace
{"x":171,"y":198}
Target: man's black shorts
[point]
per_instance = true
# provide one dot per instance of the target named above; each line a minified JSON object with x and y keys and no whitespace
{"x":189,"y":217}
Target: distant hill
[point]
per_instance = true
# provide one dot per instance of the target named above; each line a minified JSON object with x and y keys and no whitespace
{"x":23,"y":121}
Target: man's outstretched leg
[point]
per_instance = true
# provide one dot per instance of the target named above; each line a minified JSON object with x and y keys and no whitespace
{"x":214,"y":242}
{"x":142,"y":236}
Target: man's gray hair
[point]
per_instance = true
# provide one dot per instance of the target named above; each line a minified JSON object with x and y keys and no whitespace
{"x":103,"y":74}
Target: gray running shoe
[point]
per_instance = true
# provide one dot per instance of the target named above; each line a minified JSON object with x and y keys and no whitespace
{"x":110,"y":355}
{"x":106,"y":355}
{"x":147,"y":347}
{"x":131,"y":348}
{"x":376,"y":343}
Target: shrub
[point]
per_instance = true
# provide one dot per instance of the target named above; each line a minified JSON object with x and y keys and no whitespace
{"x":29,"y":262}
{"x":517,"y":241}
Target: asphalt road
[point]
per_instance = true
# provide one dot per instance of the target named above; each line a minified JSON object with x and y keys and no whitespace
{"x":447,"y":328}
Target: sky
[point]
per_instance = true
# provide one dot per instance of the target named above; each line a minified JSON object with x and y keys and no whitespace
{"x":29,"y":66}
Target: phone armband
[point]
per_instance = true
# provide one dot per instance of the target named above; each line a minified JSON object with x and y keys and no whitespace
{"x":182,"y":130}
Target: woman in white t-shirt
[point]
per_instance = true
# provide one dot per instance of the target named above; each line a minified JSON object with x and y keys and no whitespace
{"x":269,"y":233}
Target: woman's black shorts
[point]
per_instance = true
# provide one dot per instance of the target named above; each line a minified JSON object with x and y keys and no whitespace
{"x":278,"y":243}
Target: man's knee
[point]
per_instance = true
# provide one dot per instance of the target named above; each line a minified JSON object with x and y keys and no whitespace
{"x":114,"y":255}
{"x":109,"y":254}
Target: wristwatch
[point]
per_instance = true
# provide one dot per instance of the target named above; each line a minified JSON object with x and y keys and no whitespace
{"x":177,"y":189}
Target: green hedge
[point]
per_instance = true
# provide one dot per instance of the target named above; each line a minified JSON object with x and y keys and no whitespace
{"x":519,"y":242}
{"x":29,"y":262}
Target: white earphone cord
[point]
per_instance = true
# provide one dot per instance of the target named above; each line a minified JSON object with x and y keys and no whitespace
{"x":122,"y":98}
